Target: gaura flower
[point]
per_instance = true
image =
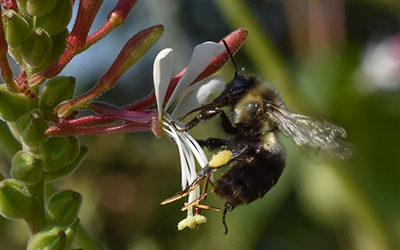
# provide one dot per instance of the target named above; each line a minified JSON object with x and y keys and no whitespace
{"x":207,"y":58}
{"x":136,"y":117}
{"x":196,"y":95}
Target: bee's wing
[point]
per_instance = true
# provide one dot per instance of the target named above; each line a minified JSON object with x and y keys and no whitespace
{"x":307,"y":131}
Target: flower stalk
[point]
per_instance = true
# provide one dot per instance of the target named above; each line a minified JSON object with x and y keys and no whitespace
{"x":115,"y":18}
{"x":42,"y":46}
{"x":234,"y":41}
{"x":133,"y":51}
{"x":35,"y":34}
{"x":134,"y":116}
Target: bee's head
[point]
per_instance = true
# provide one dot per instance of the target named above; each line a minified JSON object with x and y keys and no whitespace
{"x":233,"y":92}
{"x":255,"y":106}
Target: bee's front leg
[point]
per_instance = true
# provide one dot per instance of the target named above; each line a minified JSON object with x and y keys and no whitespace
{"x":208,"y":114}
{"x":213,"y":143}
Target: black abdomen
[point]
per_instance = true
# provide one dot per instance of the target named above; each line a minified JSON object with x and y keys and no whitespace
{"x":249,"y":179}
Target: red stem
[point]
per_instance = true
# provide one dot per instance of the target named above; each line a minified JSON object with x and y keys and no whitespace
{"x":6,"y":72}
{"x":108,"y":80}
{"x":75,"y":42}
{"x":115,"y":18}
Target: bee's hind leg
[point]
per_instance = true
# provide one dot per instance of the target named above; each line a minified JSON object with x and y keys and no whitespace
{"x":226,"y":208}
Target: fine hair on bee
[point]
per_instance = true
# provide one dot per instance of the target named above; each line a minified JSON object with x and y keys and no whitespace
{"x":255,"y":156}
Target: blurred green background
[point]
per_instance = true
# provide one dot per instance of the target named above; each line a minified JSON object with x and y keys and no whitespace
{"x":333,"y":59}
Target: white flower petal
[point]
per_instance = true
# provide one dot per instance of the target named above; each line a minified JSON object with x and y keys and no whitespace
{"x":191,"y":166}
{"x":197,"y":95}
{"x":192,"y":197}
{"x":190,"y":170}
{"x":195,"y":149}
{"x":213,"y":84}
{"x":185,"y":173}
{"x":186,"y":149}
{"x":162,"y":72}
{"x":201,"y":57}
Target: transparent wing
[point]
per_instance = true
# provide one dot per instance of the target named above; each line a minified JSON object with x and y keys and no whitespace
{"x":319,"y":134}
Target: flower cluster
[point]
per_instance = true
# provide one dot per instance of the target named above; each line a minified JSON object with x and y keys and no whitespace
{"x":167,"y":89}
{"x":42,"y":123}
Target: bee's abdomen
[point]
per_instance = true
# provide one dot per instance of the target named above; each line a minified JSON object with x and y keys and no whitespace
{"x":246,"y":181}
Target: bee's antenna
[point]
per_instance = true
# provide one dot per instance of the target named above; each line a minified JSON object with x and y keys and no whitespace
{"x":231,"y":56}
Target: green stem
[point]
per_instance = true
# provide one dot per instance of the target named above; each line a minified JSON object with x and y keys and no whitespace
{"x":36,"y":219}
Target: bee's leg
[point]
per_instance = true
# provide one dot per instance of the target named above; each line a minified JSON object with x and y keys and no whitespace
{"x":226,"y":123}
{"x":184,"y":193}
{"x":206,"y":185}
{"x":197,"y":203}
{"x":226,"y":208}
{"x":213,"y":143}
{"x":204,"y":173}
{"x":212,"y":184}
{"x":208,"y":114}
{"x":204,"y":115}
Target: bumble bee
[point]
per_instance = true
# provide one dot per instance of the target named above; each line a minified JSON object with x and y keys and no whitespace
{"x":256,"y":156}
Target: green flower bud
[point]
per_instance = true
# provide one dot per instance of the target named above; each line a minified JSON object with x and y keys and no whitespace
{"x":15,"y":199}
{"x":52,"y":238}
{"x":55,"y":91}
{"x":31,"y":127}
{"x":58,"y":152}
{"x":70,"y":231}
{"x":68,"y":169}
{"x":15,"y":28}
{"x":63,"y":207}
{"x":36,"y":48}
{"x":57,"y":20}
{"x":22,"y":8}
{"x":59,"y":45}
{"x":16,"y":55}
{"x":26,"y":167}
{"x":12,"y":106}
{"x":40,"y":7}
